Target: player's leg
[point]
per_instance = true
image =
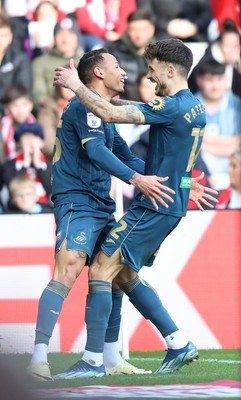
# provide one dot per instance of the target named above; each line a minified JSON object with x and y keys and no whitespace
{"x":114,"y":363}
{"x":98,"y":309}
{"x":180,"y":350}
{"x":68,"y":266}
{"x":74,"y":241}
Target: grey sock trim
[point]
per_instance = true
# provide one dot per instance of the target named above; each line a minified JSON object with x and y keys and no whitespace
{"x":131,"y":285}
{"x":58,"y":288}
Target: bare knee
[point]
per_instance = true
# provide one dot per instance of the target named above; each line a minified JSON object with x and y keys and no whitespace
{"x":105,"y":268}
{"x":125,"y":275}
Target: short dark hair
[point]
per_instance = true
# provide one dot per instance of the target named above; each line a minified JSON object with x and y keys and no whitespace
{"x":210,"y":66}
{"x":229,"y":27}
{"x":15,"y":92}
{"x":171,"y":51}
{"x":139,"y":15}
{"x":88,"y":62}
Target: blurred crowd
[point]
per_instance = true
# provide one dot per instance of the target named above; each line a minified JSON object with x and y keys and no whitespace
{"x":38,"y":35}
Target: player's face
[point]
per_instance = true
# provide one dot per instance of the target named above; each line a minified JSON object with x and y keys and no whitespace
{"x":113,"y":75}
{"x":158,"y":74}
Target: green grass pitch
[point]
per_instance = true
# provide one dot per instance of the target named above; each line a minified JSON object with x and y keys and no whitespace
{"x":212,"y":365}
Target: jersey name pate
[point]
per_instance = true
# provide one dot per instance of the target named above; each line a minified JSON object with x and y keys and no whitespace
{"x":198,"y":109}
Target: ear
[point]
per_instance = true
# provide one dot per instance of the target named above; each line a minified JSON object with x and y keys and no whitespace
{"x":171,"y":71}
{"x":98,"y":72}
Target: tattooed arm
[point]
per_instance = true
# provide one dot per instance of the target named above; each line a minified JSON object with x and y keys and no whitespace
{"x":122,"y":102}
{"x":68,"y":78}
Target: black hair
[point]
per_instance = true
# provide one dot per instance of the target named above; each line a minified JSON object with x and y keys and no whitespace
{"x":139,"y":15}
{"x":15,"y":92}
{"x":210,"y":66}
{"x":172,"y":51}
{"x":88,"y":62}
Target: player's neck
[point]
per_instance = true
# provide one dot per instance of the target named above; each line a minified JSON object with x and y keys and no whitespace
{"x":177,"y":86}
{"x":101,"y":91}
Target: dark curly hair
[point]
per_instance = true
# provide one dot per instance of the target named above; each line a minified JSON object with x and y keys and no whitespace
{"x":171,"y":51}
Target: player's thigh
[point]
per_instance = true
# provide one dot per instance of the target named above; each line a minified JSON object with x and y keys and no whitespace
{"x":77,"y":233}
{"x":139,"y":235}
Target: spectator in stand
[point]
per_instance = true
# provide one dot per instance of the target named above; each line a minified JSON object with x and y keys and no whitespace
{"x":15,"y":66}
{"x":225,"y":50}
{"x":66,"y":46}
{"x":30,"y":160}
{"x":18,"y":110}
{"x":49,"y":116}
{"x":129,"y":49}
{"x":187,"y":20}
{"x":103,"y":20}
{"x":41,"y":28}
{"x":231,"y":197}
{"x":223,"y":10}
{"x":23,"y":197}
{"x":223,"y":129}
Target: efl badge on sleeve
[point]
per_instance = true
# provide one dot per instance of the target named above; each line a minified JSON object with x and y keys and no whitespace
{"x":93,"y":121}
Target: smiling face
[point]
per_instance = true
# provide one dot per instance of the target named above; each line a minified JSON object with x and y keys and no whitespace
{"x":158,"y":73}
{"x":112,"y":74}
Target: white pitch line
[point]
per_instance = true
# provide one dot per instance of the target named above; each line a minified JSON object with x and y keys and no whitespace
{"x":209,"y":360}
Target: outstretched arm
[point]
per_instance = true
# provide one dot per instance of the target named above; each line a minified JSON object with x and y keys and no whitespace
{"x":202,"y":194}
{"x":68,"y":78}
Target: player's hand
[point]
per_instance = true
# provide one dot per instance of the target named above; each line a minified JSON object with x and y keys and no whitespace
{"x":202,"y":194}
{"x":67,"y":77}
{"x":151,"y":186}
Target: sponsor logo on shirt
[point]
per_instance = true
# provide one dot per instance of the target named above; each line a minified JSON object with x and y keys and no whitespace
{"x":93,"y":121}
{"x":158,"y":103}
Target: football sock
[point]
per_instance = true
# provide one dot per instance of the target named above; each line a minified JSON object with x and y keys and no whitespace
{"x":98,"y":309}
{"x":177,"y":340}
{"x":147,"y":301}
{"x":50,"y":305}
{"x":112,"y":355}
{"x":40,"y":353}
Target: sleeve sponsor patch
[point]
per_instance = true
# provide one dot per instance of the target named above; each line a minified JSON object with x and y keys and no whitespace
{"x":93,"y":121}
{"x":157,"y":104}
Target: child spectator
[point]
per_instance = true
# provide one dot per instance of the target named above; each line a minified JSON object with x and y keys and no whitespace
{"x":30,"y":160}
{"x":223,"y":130}
{"x":15,"y":66}
{"x":23,"y":197}
{"x":18,"y":110}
